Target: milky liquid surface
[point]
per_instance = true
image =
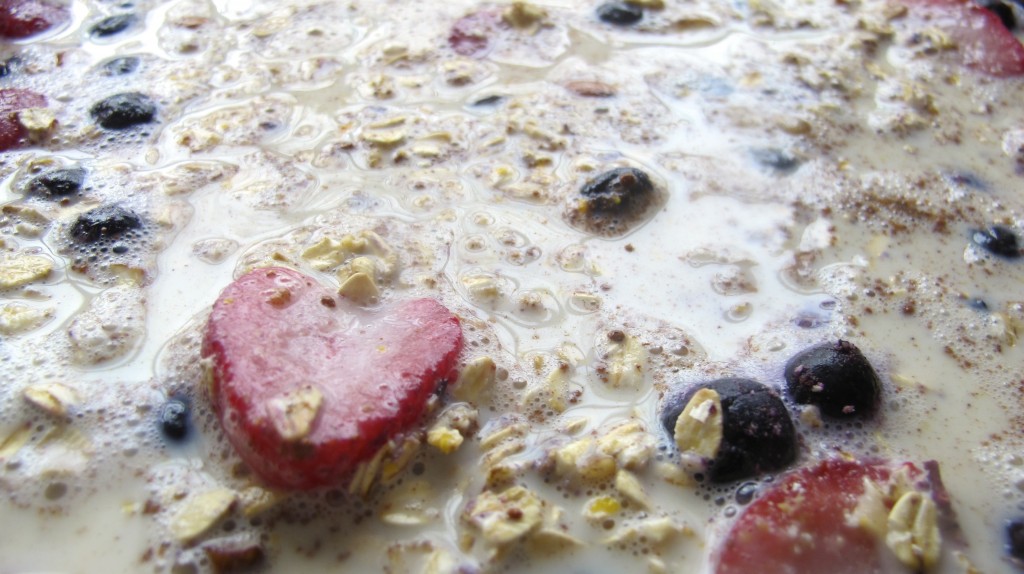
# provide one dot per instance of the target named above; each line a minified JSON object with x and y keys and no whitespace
{"x":818,"y":176}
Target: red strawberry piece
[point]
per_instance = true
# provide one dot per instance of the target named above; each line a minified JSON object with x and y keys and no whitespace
{"x":307,"y":386}
{"x":800,"y":524}
{"x":983,"y":42}
{"x":24,"y":18}
{"x":12,"y":100}
{"x":471,"y":35}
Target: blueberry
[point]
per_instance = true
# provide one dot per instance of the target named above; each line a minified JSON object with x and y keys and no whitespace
{"x":59,"y":182}
{"x":104,"y":222}
{"x":123,"y":111}
{"x":621,"y":190}
{"x":174,"y":419}
{"x":619,"y":13}
{"x":776,"y":160}
{"x":112,"y":25}
{"x":836,"y":377}
{"x":488,"y":101}
{"x":757,"y":434}
{"x":977,"y":303}
{"x":997,"y":240}
{"x":1015,"y":538}
{"x":121,"y":66}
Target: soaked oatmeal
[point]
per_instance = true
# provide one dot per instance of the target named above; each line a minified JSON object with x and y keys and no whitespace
{"x":709,"y":285}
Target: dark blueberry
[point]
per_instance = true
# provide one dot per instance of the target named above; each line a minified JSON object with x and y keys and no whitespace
{"x":621,"y":190}
{"x":997,"y":240}
{"x":619,"y":13}
{"x":174,"y":419}
{"x":776,"y":160}
{"x":757,"y":434}
{"x":1001,"y":9}
{"x":5,"y":69}
{"x":966,"y":179}
{"x":104,"y":222}
{"x":488,"y":101}
{"x":836,"y":377}
{"x":59,"y":182}
{"x":121,"y":66}
{"x":123,"y":111}
{"x":977,"y":303}
{"x":112,"y":25}
{"x":1015,"y":538}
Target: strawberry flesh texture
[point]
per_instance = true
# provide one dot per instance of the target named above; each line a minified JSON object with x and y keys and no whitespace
{"x":12,"y":100}
{"x":24,"y":18}
{"x":799,"y":525}
{"x":376,"y":371}
{"x":471,"y":35}
{"x":983,"y":41}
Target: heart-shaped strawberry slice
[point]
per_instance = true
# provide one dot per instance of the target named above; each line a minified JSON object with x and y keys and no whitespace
{"x":307,"y":385}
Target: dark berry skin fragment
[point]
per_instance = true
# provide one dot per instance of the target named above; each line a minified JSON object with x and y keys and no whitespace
{"x":837,"y":378}
{"x":488,"y":101}
{"x":112,"y":25}
{"x":122,"y":111}
{"x":619,"y":13}
{"x":59,"y":182}
{"x":997,"y":240}
{"x":1001,"y":9}
{"x":121,"y":66}
{"x":757,"y":434}
{"x":174,"y":419}
{"x":1015,"y":539}
{"x":622,"y":190}
{"x":776,"y":160}
{"x":104,"y":222}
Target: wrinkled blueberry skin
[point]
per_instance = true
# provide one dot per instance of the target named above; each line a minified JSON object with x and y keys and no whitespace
{"x":837,"y":378}
{"x":122,"y":111}
{"x":59,"y":182}
{"x":757,"y":433}
{"x":174,"y":419}
{"x":622,"y":190}
{"x":997,"y":240}
{"x":112,"y":25}
{"x":104,"y":222}
{"x":619,"y":13}
{"x":121,"y":66}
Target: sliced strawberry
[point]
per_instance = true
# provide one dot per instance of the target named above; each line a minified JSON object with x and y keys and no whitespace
{"x":24,"y":18}
{"x":308,"y":386}
{"x":801,"y":524}
{"x":983,"y":42}
{"x":12,"y":100}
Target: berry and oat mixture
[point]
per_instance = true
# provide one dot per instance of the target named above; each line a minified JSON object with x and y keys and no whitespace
{"x":559,"y":286}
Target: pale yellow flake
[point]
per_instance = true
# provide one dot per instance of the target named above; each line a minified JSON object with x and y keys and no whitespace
{"x":628,"y":485}
{"x":626,"y":360}
{"x":475,"y":378}
{"x":698,"y":429}
{"x":53,"y":398}
{"x":506,"y":517}
{"x":201,"y":512}
{"x":18,"y":270}
{"x":913,"y":531}
{"x":293,"y":414}
{"x":16,"y":318}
